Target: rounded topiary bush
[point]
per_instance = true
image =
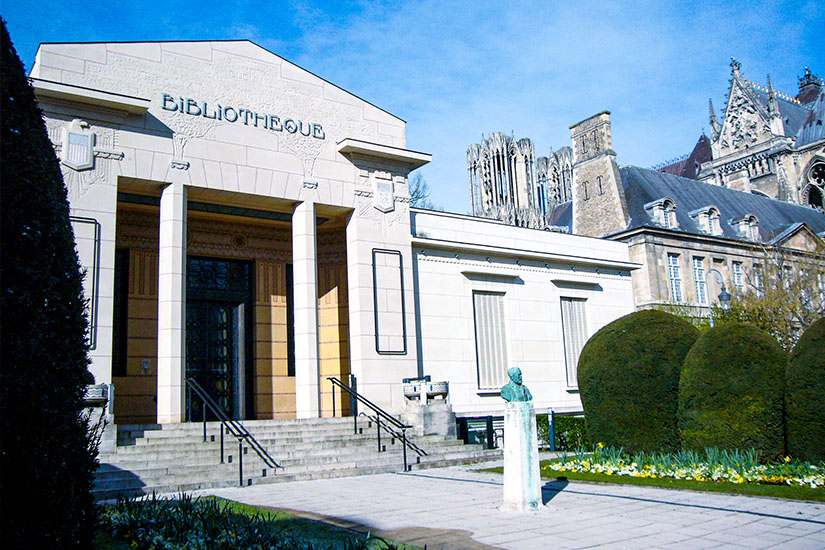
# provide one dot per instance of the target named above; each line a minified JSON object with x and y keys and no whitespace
{"x":629,"y":378}
{"x":731,"y":391}
{"x":805,"y":396}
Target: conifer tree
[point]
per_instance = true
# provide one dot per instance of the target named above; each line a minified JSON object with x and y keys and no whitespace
{"x":48,"y":458}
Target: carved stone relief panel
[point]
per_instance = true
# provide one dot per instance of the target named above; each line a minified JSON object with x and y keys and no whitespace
{"x":743,"y":123}
{"x":238,"y":240}
{"x":376,"y":198}
{"x":243,"y":83}
{"x":87,"y":152}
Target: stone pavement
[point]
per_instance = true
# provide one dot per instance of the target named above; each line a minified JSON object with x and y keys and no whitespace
{"x":456,"y":508}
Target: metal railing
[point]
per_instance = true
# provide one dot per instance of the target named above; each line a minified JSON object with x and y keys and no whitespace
{"x":228,"y":425}
{"x":382,"y":419}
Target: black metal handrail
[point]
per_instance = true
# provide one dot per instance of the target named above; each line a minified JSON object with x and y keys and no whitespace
{"x":389,"y":421}
{"x":393,"y":434}
{"x":235,"y":428}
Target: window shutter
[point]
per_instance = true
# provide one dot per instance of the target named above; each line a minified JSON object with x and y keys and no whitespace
{"x":491,"y":339}
{"x":574,"y":327}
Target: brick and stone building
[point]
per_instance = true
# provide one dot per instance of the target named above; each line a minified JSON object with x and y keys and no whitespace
{"x":679,"y":229}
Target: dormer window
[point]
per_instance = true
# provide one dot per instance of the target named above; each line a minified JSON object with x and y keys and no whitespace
{"x":707,"y":219}
{"x":663,"y":212}
{"x":747,"y":226}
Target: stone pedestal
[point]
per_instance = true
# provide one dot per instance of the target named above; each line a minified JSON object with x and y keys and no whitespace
{"x":435,"y":417}
{"x":522,"y":484}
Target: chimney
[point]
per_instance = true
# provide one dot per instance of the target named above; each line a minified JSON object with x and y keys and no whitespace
{"x":599,"y":205}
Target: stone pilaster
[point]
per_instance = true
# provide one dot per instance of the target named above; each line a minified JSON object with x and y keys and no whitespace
{"x":305,"y":284}
{"x":172,"y":304}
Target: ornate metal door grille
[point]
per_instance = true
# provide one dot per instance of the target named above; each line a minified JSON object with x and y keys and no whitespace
{"x":218,"y":301}
{"x":210,"y":350}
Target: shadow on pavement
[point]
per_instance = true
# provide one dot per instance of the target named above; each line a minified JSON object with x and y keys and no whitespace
{"x":552,"y":488}
{"x":432,"y":539}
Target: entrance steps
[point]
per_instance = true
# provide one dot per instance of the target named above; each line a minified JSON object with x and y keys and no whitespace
{"x":171,"y":458}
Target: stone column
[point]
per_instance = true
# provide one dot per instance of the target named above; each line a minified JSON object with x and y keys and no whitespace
{"x":305,"y":286}
{"x":522,"y":483}
{"x":172,"y":304}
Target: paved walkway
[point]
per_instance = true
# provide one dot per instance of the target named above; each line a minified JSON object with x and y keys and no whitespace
{"x":456,"y":508}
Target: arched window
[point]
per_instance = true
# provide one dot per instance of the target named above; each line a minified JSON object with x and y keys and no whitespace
{"x":714,"y":227}
{"x":663,"y":212}
{"x":812,"y":194}
{"x":669,"y":215}
{"x":753,"y":228}
{"x":707,"y":220}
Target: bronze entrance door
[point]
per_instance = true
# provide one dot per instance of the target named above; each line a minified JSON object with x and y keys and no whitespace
{"x":218,"y":322}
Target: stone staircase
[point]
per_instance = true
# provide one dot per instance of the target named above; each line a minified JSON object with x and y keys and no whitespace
{"x":171,"y":458}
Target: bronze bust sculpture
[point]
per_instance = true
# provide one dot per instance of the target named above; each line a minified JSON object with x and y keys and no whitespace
{"x":514,"y":390}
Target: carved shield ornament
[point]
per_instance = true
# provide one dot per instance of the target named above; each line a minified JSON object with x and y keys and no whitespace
{"x":382,"y":194}
{"x":78,"y":146}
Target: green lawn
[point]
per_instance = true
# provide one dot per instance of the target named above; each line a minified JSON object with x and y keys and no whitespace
{"x":756,"y":489}
{"x":322,"y":535}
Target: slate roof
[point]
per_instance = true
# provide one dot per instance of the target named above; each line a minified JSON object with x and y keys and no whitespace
{"x":793,"y":114}
{"x":688,"y":167}
{"x":562,"y":215}
{"x":813,"y":129}
{"x":642,"y":186}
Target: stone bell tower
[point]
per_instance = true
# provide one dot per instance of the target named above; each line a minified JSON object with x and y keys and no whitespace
{"x":599,"y":205}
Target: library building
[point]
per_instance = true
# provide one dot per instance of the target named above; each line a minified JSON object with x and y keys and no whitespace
{"x":245,"y":227}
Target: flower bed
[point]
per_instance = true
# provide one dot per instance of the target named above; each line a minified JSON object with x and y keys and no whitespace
{"x":187,"y":523}
{"x":712,"y":465}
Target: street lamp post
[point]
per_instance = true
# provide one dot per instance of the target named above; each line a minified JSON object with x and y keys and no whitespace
{"x":724,"y":296}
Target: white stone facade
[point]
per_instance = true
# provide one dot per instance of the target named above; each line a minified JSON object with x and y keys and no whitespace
{"x":456,"y":255}
{"x":227,"y":136}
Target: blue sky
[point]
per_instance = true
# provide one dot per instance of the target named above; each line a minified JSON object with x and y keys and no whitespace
{"x":455,"y":70}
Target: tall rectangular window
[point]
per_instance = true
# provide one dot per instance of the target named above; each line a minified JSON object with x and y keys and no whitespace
{"x":701,"y":282}
{"x":290,"y":322}
{"x":757,"y":279}
{"x":574,"y":329}
{"x":120,"y":315}
{"x":675,"y":277}
{"x":738,"y":281}
{"x":787,"y":277}
{"x":491,"y":339}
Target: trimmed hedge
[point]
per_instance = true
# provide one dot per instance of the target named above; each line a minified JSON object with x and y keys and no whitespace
{"x":731,"y":391}
{"x":805,"y":396}
{"x":571,"y":432}
{"x":629,"y":378}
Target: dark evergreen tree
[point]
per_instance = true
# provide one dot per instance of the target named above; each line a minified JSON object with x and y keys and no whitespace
{"x":48,"y":458}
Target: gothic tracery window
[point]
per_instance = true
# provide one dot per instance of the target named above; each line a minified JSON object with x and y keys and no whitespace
{"x":815,"y":188}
